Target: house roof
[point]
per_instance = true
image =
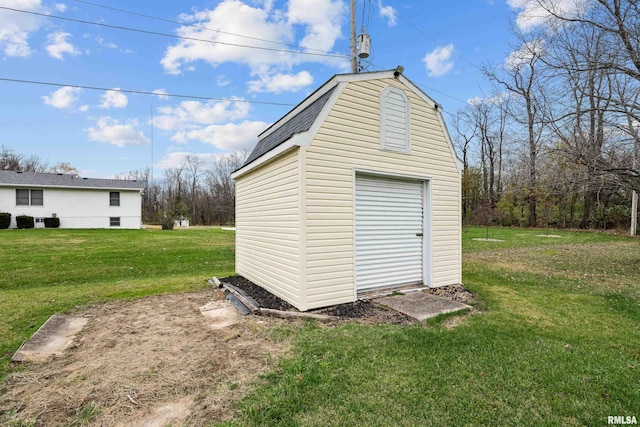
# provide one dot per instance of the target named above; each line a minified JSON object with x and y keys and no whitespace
{"x":60,"y":180}
{"x":301,"y":122}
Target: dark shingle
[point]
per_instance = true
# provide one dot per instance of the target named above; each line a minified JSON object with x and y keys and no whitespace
{"x":35,"y":179}
{"x":301,"y":122}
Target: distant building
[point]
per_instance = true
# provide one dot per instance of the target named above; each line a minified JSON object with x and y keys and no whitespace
{"x":181,"y":222}
{"x":78,"y":202}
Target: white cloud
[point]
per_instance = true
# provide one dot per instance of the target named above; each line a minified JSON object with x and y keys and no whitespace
{"x":83,"y":108}
{"x":438,"y":61}
{"x":15,"y":27}
{"x":322,"y":20}
{"x":111,"y":131}
{"x":228,"y":137}
{"x":278,"y":83}
{"x":178,"y":159}
{"x":230,"y":16}
{"x":388,"y":12}
{"x":312,"y":24}
{"x":114,"y":99}
{"x":524,"y":54}
{"x":57,"y":45}
{"x":60,"y":7}
{"x":492,"y":100}
{"x":191,"y":115}
{"x":161,"y":93}
{"x":102,"y":42}
{"x":223,"y":81}
{"x":63,"y":97}
{"x":536,"y":13}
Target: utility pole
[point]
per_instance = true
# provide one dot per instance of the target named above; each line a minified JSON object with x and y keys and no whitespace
{"x":634,"y":213}
{"x":352,"y":53}
{"x":634,"y":196}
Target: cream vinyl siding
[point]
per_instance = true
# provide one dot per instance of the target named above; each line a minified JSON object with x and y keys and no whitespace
{"x":349,"y":140}
{"x":267,"y":227}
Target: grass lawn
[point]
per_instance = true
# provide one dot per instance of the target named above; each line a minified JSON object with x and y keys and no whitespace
{"x":557,"y":342}
{"x":45,"y":271}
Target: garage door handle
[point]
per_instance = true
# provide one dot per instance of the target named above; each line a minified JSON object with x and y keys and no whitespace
{"x":419,"y":234}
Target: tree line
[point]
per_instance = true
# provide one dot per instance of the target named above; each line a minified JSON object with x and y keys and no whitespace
{"x":556,"y":142}
{"x":205,"y":195}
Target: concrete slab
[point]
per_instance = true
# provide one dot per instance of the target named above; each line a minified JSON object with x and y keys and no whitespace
{"x":221,"y":314}
{"x":53,"y":337}
{"x":421,"y":305}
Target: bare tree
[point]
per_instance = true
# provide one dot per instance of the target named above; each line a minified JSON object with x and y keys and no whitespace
{"x":10,"y":160}
{"x":521,"y":77}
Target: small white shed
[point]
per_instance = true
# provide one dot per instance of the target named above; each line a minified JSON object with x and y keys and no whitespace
{"x":356,"y":189}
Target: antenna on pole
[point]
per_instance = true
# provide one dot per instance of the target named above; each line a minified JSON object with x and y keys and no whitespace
{"x":354,"y":59}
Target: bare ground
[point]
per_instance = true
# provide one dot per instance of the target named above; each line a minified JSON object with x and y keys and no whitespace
{"x":151,"y":361}
{"x":158,"y":361}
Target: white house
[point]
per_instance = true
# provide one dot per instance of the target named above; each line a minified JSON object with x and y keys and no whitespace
{"x":77,"y":202}
{"x":356,"y":189}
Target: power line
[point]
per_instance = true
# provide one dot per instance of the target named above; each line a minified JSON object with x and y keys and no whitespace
{"x":142,"y":92}
{"x":433,"y":39}
{"x":192,"y":25}
{"x":442,"y":93}
{"x":156,"y":33}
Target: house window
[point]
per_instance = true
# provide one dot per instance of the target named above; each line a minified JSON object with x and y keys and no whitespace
{"x":26,"y":197}
{"x":39,"y":220}
{"x":114,"y":198}
{"x":114,"y":221}
{"x":394,"y":120}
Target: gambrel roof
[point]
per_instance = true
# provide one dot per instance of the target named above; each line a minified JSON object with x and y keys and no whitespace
{"x":63,"y":180}
{"x":300,"y":123}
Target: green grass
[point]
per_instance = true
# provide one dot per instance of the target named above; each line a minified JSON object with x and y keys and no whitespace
{"x":46,"y":271}
{"x":558,"y":343}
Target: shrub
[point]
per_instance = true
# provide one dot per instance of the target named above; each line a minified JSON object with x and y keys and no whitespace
{"x":24,"y":221}
{"x":52,"y":222}
{"x":167,"y":223}
{"x":5,"y":220}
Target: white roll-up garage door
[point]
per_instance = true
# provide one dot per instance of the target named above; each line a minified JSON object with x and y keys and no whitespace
{"x":389,"y":227}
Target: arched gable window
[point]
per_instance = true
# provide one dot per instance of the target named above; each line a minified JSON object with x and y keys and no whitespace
{"x":394,"y":120}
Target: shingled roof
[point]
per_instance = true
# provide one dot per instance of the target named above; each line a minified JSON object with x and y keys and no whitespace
{"x":61,"y":180}
{"x":301,"y":122}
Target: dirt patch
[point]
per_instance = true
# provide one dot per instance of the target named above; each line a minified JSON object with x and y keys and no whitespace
{"x":152,"y":361}
{"x":165,"y":360}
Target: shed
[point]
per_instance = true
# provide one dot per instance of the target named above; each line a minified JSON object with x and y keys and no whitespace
{"x":356,"y":189}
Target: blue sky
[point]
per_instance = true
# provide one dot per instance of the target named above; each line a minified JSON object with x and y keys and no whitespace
{"x":103,"y":133}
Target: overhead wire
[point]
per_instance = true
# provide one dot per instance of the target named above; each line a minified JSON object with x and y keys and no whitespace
{"x":156,"y":33}
{"x":200,"y":27}
{"x":438,"y":42}
{"x":142,"y":92}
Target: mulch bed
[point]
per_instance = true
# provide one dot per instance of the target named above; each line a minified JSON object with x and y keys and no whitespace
{"x":361,"y":310}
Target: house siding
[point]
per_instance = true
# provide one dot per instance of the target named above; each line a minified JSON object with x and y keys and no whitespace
{"x":332,"y":158}
{"x":77,"y":208}
{"x":268,"y":227}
